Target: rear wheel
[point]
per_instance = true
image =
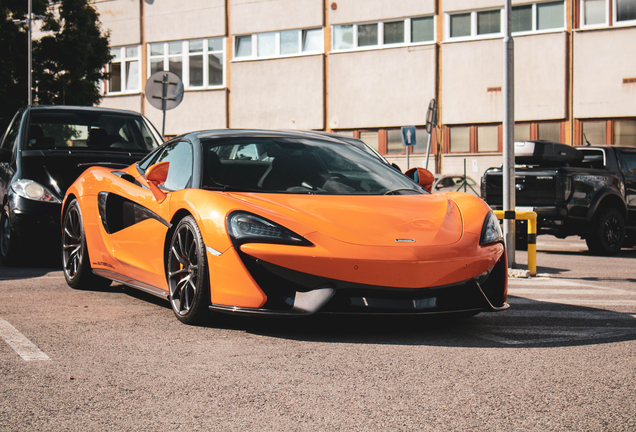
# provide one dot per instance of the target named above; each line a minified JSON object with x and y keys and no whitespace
{"x":76,"y":264}
{"x":608,"y":233}
{"x":188,"y":274}
{"x":9,"y":241}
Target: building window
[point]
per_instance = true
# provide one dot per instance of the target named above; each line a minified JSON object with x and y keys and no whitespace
{"x":539,"y":17}
{"x":489,"y":22}
{"x":625,"y":11}
{"x":549,"y":132}
{"x":593,"y":132}
{"x":459,"y":139}
{"x":199,"y":62}
{"x":124,"y":70}
{"x":625,"y":132}
{"x":599,"y":13}
{"x":475,"y":24}
{"x":346,"y":37}
{"x":522,"y":132}
{"x":487,"y":138}
{"x":278,"y":44}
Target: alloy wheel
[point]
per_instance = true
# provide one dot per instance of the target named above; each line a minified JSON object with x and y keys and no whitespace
{"x":183,"y":270}
{"x":72,"y":242}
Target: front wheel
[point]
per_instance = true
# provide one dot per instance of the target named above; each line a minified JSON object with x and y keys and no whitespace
{"x":77,"y":268}
{"x":608,"y":233}
{"x":188,"y":274}
{"x":9,"y":242}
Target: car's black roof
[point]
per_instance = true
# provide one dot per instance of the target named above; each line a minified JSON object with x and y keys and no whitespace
{"x":81,"y":108}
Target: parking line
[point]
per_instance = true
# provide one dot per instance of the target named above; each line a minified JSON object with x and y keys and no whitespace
{"x":16,"y":340}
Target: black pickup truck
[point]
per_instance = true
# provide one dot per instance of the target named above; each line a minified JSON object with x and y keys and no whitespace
{"x":589,"y":191}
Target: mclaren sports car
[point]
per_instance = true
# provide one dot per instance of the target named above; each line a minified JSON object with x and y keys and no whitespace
{"x":281,"y":223}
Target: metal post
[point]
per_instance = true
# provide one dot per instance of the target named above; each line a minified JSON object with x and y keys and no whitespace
{"x":29,"y":21}
{"x":164,"y":97}
{"x":508,"y":134}
{"x":408,"y":158}
{"x":428,"y":150}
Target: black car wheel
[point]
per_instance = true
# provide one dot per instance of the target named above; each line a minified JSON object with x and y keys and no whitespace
{"x":77,"y":268}
{"x":608,"y":233}
{"x":187,"y":273}
{"x":9,"y":241}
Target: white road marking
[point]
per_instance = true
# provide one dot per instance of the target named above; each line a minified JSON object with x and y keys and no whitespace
{"x":16,"y":340}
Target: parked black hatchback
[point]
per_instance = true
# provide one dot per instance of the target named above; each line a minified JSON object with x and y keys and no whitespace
{"x":42,"y":153}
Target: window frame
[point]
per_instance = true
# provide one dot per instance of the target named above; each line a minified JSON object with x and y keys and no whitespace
{"x":277,"y":54}
{"x":474,"y":22}
{"x":122,"y":61}
{"x":535,"y":19}
{"x":610,"y":138}
{"x":408,"y":34}
{"x":615,"y":22}
{"x":185,"y":61}
{"x":611,"y":17}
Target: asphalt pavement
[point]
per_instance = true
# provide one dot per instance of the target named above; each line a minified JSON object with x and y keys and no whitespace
{"x":562,"y":357}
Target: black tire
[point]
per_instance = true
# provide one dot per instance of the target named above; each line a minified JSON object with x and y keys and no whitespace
{"x":75,"y":261}
{"x":608,"y":233}
{"x":9,"y":241}
{"x":187,"y":273}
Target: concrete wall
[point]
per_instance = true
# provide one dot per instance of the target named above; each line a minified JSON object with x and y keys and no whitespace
{"x":249,"y":16}
{"x":121,"y":17}
{"x":602,"y":59}
{"x":199,"y":110}
{"x":389,"y":87}
{"x":184,"y":19}
{"x":129,"y":102}
{"x":353,"y":11}
{"x":472,"y":77}
{"x":284,"y":93}
{"x":460,"y":5}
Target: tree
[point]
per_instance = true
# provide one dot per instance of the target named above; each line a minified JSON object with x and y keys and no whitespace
{"x":68,"y":61}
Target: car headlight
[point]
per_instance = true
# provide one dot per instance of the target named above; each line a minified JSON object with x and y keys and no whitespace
{"x":34,"y":191}
{"x":491,"y":231}
{"x":245,"y":227}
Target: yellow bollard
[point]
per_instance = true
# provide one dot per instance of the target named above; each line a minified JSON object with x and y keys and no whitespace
{"x":531,"y":217}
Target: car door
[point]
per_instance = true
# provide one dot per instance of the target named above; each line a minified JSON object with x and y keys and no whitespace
{"x":140,"y":245}
{"x":628,"y":165}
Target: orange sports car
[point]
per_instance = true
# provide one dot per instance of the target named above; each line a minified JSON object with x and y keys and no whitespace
{"x":282,"y":223}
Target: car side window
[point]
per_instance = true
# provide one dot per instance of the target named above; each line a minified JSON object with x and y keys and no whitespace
{"x":12,"y":132}
{"x":630,"y":160}
{"x":180,"y":155}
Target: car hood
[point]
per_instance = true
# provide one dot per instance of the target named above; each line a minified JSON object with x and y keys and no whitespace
{"x":390,"y":220}
{"x":57,"y":170}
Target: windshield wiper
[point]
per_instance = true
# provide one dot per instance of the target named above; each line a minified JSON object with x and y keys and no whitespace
{"x":227,"y":188}
{"x":393,"y":191}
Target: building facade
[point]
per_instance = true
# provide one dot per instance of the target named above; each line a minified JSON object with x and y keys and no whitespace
{"x":368,"y":67}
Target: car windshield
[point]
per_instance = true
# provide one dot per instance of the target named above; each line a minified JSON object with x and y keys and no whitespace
{"x":299,"y":166}
{"x":90,"y":130}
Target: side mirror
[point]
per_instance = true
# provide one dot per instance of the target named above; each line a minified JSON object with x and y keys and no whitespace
{"x":156,"y":175}
{"x":5,"y":155}
{"x":422,"y":177}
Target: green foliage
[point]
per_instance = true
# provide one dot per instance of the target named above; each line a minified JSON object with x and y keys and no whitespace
{"x":67,"y":62}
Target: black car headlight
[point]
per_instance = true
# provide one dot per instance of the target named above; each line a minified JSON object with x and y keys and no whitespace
{"x":34,"y":191}
{"x":491,"y":231}
{"x":246,"y":227}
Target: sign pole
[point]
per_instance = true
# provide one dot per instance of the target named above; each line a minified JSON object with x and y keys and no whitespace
{"x":508,"y":135}
{"x":431,"y":122}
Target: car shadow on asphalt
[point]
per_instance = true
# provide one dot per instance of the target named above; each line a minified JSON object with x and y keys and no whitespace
{"x":535,"y":324}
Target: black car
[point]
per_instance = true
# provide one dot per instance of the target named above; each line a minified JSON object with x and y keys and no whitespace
{"x":44,"y":150}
